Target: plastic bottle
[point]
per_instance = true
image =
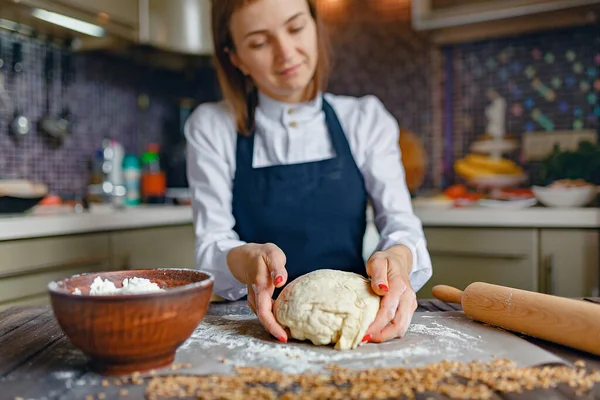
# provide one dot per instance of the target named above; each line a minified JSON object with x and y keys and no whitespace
{"x":154,"y":181}
{"x":115,"y":174}
{"x":96,"y":178}
{"x":132,"y":173}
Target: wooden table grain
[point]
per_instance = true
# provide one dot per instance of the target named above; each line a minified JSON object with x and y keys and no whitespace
{"x":38,"y":362}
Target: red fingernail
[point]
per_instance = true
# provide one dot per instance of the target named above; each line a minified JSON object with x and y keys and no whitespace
{"x":278,"y":280}
{"x":283,"y":339}
{"x":367,"y":337}
{"x":383,"y":287}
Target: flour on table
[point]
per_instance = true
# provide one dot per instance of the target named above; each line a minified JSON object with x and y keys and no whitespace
{"x":443,"y":333}
{"x":133,"y":285}
{"x":242,"y":341}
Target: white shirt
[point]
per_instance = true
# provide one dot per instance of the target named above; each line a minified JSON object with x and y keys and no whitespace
{"x":291,"y":133}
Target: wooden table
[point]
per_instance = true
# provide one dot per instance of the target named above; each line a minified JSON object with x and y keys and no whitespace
{"x":38,"y":362}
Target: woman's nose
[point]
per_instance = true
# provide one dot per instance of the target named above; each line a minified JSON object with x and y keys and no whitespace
{"x":284,"y":48}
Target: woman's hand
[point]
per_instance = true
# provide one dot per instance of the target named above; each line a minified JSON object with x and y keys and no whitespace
{"x":262,"y":268}
{"x":389,"y":270}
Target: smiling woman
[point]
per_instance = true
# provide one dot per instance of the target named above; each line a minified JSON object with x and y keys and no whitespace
{"x":297,"y":74}
{"x":281,"y":171}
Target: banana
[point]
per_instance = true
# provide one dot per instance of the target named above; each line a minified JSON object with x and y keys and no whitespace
{"x":500,"y":166}
{"x":470,"y":170}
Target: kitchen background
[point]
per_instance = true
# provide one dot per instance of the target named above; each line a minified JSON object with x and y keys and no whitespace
{"x":549,"y":80}
{"x":444,"y":68}
{"x":108,"y":96}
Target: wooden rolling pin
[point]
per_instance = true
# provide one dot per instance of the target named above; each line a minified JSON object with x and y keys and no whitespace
{"x":569,"y":322}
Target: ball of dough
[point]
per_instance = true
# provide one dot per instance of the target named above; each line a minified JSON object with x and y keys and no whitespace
{"x":328,"y":306}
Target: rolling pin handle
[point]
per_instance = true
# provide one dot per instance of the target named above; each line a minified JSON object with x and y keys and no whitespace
{"x":447,"y":293}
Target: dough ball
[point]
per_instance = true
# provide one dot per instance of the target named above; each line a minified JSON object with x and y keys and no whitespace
{"x":328,"y":306}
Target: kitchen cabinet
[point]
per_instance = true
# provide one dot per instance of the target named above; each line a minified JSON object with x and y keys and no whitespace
{"x":118,"y":18}
{"x":160,"y":247}
{"x":172,"y":29}
{"x":182,"y":26}
{"x":500,"y":256}
{"x":563,"y":262}
{"x":569,"y":262}
{"x":451,"y":21}
{"x":26,"y":266}
{"x":126,"y":12}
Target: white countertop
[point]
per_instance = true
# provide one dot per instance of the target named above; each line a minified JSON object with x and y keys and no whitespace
{"x":29,"y":226}
{"x":535,"y":217}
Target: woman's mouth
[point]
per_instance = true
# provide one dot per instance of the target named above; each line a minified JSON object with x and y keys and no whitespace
{"x":287,"y":72}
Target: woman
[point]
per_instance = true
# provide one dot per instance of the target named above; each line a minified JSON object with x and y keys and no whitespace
{"x":280,"y":172}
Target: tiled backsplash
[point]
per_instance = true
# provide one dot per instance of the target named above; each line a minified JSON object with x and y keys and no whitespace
{"x":376,"y":52}
{"x":385,"y":58}
{"x":103,"y":100}
{"x":550,"y":81}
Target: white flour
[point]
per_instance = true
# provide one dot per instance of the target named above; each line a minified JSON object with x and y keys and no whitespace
{"x":443,"y":333}
{"x":133,"y":285}
{"x":64,"y":374}
{"x":242,"y":341}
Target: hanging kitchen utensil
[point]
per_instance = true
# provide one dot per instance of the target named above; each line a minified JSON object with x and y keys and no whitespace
{"x":6,"y":102}
{"x":66,"y":70}
{"x":19,"y":126}
{"x":48,"y":123}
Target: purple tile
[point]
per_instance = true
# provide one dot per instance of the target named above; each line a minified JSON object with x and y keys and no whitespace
{"x":103,"y":102}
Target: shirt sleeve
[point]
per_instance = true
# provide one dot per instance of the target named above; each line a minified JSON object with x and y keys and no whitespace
{"x":210,"y":181}
{"x":385,"y":182}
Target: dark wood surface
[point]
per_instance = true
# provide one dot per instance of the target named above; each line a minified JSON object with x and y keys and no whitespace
{"x":38,"y":362}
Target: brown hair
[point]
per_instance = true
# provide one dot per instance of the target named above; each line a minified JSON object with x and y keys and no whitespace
{"x":239,"y":89}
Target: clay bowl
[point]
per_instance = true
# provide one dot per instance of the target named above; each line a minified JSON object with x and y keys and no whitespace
{"x":126,"y":333}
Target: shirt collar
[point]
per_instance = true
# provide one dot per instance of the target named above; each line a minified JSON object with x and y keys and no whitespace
{"x":278,"y":110}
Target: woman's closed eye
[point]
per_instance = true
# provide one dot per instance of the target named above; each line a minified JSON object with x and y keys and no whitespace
{"x":258,"y":45}
{"x":257,"y":41}
{"x":297,"y":28}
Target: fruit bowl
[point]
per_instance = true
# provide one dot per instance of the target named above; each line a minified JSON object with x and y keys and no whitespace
{"x":557,"y":196}
{"x":485,"y":172}
{"x":136,"y":332}
{"x":497,"y":181}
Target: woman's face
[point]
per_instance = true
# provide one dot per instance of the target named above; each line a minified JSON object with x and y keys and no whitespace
{"x":276,"y":45}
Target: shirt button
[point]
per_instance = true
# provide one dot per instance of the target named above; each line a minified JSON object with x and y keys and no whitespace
{"x":293,"y":124}
{"x":291,"y":111}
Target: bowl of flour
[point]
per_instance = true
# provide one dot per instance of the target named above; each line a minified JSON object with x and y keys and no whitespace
{"x":132,"y":320}
{"x":135,"y":285}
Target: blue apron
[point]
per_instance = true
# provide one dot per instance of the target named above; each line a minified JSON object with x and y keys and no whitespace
{"x":314,"y":211}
